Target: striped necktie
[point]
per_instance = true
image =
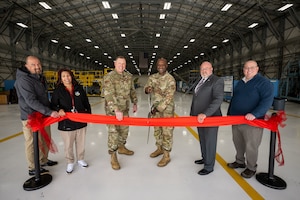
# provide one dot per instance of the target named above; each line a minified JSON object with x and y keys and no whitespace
{"x":199,"y":85}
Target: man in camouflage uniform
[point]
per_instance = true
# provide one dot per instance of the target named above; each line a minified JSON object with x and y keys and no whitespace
{"x":118,"y":92}
{"x":162,"y":85}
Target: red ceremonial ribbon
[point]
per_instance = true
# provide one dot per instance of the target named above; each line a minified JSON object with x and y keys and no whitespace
{"x":270,"y":123}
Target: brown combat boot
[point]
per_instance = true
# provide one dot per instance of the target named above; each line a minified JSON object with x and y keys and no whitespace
{"x":123,"y":150}
{"x":165,"y":159}
{"x":157,"y":152}
{"x":114,"y":160}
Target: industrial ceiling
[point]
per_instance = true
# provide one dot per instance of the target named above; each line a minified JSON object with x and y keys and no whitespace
{"x":141,"y":30}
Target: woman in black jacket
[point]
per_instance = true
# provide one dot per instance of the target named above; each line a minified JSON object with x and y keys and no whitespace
{"x":69,"y":96}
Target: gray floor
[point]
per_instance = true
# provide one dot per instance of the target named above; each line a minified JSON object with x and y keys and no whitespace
{"x":139,"y":177}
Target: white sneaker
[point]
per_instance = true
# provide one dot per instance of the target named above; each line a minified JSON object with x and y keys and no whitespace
{"x":70,"y":168}
{"x":82,"y":163}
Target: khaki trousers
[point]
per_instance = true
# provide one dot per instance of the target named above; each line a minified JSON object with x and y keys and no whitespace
{"x":71,"y":138}
{"x":29,"y":150}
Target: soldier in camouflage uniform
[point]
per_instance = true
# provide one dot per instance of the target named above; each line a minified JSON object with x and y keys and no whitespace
{"x":118,"y":92}
{"x":162,"y":85}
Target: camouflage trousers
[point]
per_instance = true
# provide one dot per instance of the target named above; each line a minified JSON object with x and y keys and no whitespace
{"x":117,"y":135}
{"x":164,"y":135}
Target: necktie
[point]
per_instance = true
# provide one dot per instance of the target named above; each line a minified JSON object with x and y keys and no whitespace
{"x":199,"y":85}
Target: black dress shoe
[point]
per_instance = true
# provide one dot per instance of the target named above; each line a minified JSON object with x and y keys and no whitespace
{"x":235,"y":165}
{"x":199,"y":162}
{"x":50,"y":163}
{"x":204,"y":172}
{"x":42,"y":171}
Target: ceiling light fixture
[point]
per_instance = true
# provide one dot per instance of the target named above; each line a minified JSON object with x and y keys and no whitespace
{"x":156,"y":47}
{"x":225,"y":40}
{"x":105,"y":4}
{"x":167,"y":5}
{"x":192,"y":40}
{"x":157,"y":34}
{"x":115,"y":16}
{"x":88,"y":40}
{"x":45,"y":5}
{"x":226,"y":7}
{"x":209,"y":24}
{"x":67,"y":47}
{"x":253,"y":25}
{"x":214,"y":47}
{"x":68,"y":24}
{"x":22,"y":25}
{"x":201,"y":54}
{"x":162,"y":16}
{"x":123,"y":35}
{"x":126,"y":46}
{"x":81,"y":54}
{"x":186,"y":46}
{"x":285,"y":7}
{"x":96,"y":47}
{"x":54,"y":41}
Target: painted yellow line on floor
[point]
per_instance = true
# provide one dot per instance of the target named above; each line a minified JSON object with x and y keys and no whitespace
{"x":10,"y":137}
{"x":241,"y":181}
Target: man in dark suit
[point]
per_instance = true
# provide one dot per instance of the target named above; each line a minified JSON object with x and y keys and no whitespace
{"x":207,"y":100}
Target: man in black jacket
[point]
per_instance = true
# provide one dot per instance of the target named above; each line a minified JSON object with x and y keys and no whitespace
{"x":33,"y":97}
{"x":207,"y":100}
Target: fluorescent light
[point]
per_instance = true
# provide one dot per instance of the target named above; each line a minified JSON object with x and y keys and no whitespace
{"x":54,"y":41}
{"x":68,"y":24}
{"x":88,"y":40}
{"x":225,"y":40}
{"x":105,"y":4}
{"x":123,"y":35}
{"x":45,"y":5}
{"x":115,"y":16}
{"x":192,"y":40}
{"x":209,"y":24}
{"x":226,"y":7}
{"x":22,"y":25}
{"x":96,"y":47}
{"x":157,"y":34}
{"x":167,"y":5}
{"x":162,"y":16}
{"x":214,"y":47}
{"x":253,"y":25}
{"x":285,"y":7}
{"x":67,"y":47}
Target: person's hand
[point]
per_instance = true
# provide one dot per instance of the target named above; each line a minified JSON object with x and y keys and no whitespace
{"x":119,"y":115}
{"x":148,"y":90}
{"x":55,"y":114}
{"x":201,"y":117}
{"x":250,"y":117}
{"x":134,"y":108}
{"x":61,"y":112}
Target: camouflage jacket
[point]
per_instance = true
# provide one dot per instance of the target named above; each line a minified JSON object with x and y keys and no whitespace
{"x":164,"y":88}
{"x":118,"y":92}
